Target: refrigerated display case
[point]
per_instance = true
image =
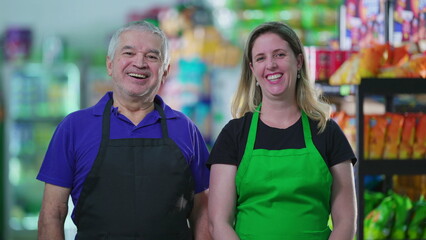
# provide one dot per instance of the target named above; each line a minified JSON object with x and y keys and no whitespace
{"x":37,"y":97}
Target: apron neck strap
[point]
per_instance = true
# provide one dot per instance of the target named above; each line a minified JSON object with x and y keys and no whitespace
{"x":107,"y":120}
{"x":162,"y":120}
{"x":253,"y":130}
{"x":306,"y":130}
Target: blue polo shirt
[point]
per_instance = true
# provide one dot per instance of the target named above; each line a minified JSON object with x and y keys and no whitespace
{"x":76,"y":141}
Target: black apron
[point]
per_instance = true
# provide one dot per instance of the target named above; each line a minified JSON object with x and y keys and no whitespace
{"x":138,"y":188}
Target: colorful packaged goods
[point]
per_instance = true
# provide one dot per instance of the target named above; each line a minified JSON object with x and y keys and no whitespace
{"x":378,"y":125}
{"x":403,"y":205}
{"x":419,"y":146}
{"x":393,"y":135}
{"x":417,"y":226}
{"x":383,"y":61}
{"x":378,"y":222}
{"x":407,"y":137}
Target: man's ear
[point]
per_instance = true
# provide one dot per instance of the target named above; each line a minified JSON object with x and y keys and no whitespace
{"x":165,"y":73}
{"x":109,"y":65}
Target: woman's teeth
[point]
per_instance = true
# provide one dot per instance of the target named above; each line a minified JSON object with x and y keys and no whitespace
{"x":273,"y":77}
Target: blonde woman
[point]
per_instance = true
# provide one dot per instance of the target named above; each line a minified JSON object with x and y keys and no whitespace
{"x":282,"y":166}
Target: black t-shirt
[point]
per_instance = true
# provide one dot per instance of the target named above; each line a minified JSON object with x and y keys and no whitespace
{"x":230,"y":145}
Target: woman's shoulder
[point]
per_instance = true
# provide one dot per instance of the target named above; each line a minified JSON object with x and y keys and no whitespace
{"x":239,"y":124}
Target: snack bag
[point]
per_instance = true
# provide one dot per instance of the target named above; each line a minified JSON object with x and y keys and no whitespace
{"x":397,"y":56}
{"x":417,"y":225}
{"x":347,"y":73}
{"x":378,"y":223}
{"x":403,"y":205}
{"x":413,"y":68}
{"x":419,"y":146}
{"x":372,"y":200}
{"x":372,"y":60}
{"x":339,"y":118}
{"x":393,"y":135}
{"x":350,"y":130}
{"x":377,"y":135}
{"x":407,"y":137}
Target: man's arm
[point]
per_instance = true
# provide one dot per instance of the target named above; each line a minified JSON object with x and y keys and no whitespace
{"x":53,"y":212}
{"x":198,"y":218}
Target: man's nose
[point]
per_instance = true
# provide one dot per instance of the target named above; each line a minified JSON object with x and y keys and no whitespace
{"x":140,"y":60}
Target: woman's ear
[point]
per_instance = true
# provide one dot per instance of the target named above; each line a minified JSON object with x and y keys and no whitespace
{"x":299,"y":61}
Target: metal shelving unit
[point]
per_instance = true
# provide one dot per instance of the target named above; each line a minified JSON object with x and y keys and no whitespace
{"x":387,"y":88}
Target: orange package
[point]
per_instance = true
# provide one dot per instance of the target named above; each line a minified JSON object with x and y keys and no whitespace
{"x":339,"y":118}
{"x":350,"y":130}
{"x":414,"y":68}
{"x":419,"y":147}
{"x":378,"y":124}
{"x":407,"y":137}
{"x":372,"y":60}
{"x":366,"y":136}
{"x":397,"y":56}
{"x":393,"y":135}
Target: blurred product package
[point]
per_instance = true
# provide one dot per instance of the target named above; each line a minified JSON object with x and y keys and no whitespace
{"x":17,"y":43}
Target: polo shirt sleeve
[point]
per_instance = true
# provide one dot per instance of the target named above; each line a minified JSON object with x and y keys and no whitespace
{"x":56,"y":167}
{"x":198,"y":164}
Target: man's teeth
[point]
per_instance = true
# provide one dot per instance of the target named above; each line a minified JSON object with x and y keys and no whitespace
{"x":273,"y":77}
{"x":137,"y":75}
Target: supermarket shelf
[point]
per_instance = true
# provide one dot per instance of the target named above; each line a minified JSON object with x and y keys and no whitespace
{"x":386,"y":86}
{"x":389,"y":167}
{"x":335,"y":90}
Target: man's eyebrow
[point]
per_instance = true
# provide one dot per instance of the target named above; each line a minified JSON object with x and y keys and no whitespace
{"x":155,"y":51}
{"x":128,"y":47}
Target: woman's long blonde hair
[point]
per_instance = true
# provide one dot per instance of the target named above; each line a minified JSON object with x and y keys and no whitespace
{"x":249,"y":96}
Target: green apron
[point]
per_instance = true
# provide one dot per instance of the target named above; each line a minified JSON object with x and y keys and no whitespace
{"x":282,"y":194}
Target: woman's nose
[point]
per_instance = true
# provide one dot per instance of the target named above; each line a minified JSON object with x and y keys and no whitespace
{"x":271,"y":63}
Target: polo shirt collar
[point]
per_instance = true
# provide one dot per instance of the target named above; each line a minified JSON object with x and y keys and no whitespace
{"x":98,"y":109}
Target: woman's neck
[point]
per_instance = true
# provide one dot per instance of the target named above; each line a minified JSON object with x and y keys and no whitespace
{"x":279,"y":115}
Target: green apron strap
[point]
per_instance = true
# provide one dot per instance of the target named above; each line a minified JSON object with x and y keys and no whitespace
{"x":251,"y":138}
{"x":253,"y":130}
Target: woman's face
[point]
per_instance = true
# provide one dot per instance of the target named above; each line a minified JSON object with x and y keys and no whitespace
{"x":275,"y":66}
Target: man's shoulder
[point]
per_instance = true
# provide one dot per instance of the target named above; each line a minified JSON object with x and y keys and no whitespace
{"x":82,"y":117}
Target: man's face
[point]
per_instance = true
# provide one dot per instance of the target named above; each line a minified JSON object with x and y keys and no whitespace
{"x":137,"y":69}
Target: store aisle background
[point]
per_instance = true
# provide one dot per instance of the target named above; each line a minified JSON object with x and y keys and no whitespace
{"x":85,"y":25}
{"x":65,"y":70}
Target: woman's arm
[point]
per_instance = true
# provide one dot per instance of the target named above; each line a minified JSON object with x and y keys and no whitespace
{"x":198,"y":218}
{"x":343,"y":202}
{"x":222,"y":200}
{"x":53,"y":212}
